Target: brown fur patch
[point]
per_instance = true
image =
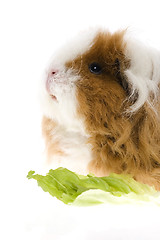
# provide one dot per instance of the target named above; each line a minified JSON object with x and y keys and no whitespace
{"x":52,"y":146}
{"x":120,"y":143}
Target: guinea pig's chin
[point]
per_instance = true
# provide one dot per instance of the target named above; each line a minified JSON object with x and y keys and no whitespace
{"x":59,"y":105}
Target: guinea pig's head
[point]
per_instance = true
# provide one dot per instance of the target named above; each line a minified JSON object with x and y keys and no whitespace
{"x":96,"y":78}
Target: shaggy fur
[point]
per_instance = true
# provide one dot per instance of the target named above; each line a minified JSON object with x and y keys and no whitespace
{"x":118,"y":108}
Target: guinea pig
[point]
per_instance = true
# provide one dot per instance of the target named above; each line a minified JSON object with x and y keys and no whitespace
{"x":100,"y":101}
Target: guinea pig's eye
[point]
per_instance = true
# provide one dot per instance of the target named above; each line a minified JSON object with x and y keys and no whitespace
{"x":95,"y":68}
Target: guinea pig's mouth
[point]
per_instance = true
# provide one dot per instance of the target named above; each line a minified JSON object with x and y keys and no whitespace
{"x":53,"y":97}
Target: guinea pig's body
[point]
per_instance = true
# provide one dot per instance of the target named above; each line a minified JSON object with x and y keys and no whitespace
{"x":100,"y":99}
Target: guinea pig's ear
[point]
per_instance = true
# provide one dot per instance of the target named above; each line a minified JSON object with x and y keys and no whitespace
{"x":119,"y":75}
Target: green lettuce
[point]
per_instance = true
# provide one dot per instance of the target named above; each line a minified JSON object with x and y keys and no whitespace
{"x":72,"y":188}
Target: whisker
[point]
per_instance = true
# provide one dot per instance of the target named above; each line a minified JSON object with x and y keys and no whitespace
{"x":80,"y":66}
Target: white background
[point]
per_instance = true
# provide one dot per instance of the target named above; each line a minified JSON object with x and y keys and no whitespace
{"x":30,"y":31}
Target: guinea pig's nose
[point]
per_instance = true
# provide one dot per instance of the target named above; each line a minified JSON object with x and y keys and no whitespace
{"x":52,"y":73}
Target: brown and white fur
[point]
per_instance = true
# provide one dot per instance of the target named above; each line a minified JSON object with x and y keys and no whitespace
{"x":107,"y":121}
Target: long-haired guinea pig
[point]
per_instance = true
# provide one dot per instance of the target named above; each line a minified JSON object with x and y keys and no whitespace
{"x":100,"y":100}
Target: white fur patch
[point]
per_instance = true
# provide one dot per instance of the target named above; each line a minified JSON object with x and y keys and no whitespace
{"x":73,"y":48}
{"x":144,"y":72}
{"x":70,"y":131}
{"x":62,"y":111}
{"x":76,"y":149}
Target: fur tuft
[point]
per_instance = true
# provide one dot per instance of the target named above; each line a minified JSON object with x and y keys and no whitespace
{"x":143,"y":73}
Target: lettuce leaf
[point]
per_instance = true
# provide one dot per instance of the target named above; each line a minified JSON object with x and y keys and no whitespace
{"x":72,"y":188}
